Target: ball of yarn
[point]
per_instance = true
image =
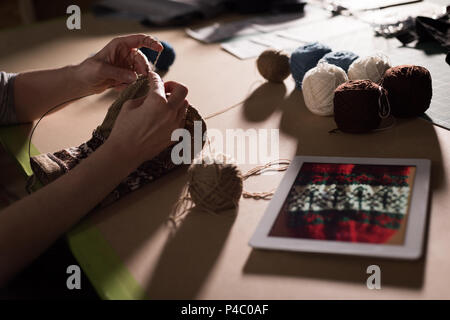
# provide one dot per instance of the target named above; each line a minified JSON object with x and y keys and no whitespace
{"x":369,"y":68}
{"x":342,"y":59}
{"x":273,"y":65}
{"x":357,"y":106}
{"x":166,"y":58}
{"x":305,"y":58}
{"x":318,"y":88}
{"x":215,"y":185}
{"x":409,"y":90}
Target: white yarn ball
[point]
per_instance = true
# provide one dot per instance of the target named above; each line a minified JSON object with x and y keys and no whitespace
{"x":371,"y":68}
{"x":318,"y":87}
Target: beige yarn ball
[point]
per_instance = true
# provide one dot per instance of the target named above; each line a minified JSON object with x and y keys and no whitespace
{"x":273,"y":65}
{"x":318,"y":87}
{"x":215,"y":184}
{"x":369,"y":68}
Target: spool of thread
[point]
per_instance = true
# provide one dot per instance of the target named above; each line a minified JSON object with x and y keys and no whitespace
{"x":166,"y":58}
{"x":319,"y":84}
{"x":342,"y":59}
{"x":358,"y":106}
{"x":409,"y":88}
{"x":305,"y":58}
{"x":369,"y":68}
{"x":273,"y":65}
{"x":215,"y":184}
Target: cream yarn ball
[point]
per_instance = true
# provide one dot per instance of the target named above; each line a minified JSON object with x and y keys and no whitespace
{"x":318,"y":87}
{"x":369,"y":68}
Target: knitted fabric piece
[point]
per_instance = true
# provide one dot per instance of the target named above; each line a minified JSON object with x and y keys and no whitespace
{"x":345,"y":202}
{"x":48,"y":167}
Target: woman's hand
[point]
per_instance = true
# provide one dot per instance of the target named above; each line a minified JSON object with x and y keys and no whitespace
{"x":116,"y":64}
{"x":144,"y":126}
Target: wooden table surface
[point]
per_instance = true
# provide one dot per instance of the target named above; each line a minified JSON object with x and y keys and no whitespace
{"x":209,"y":256}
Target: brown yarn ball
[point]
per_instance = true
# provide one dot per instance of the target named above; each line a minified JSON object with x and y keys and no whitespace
{"x":273,"y":65}
{"x":409,"y":90}
{"x":215,"y":186}
{"x":356,"y":106}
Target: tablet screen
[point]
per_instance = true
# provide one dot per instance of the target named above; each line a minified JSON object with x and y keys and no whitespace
{"x":347,"y":202}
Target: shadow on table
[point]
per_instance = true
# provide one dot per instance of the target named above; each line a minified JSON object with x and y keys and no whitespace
{"x":189,"y":255}
{"x":145,"y":220}
{"x":409,"y":138}
{"x":332,"y":267}
{"x":263,"y":101}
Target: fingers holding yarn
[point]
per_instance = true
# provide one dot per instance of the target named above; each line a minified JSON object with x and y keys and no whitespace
{"x":156,"y":86}
{"x":176,"y":93}
{"x":181,"y":113}
{"x":162,"y":60}
{"x":138,"y":41}
{"x":139,"y":62}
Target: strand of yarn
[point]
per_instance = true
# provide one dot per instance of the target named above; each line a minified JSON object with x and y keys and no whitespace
{"x":226,"y":109}
{"x":156,"y":60}
{"x":384,"y":107}
{"x":267,"y":195}
{"x":31,"y":180}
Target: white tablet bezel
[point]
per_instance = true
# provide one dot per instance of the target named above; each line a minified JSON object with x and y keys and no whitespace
{"x":415,"y":228}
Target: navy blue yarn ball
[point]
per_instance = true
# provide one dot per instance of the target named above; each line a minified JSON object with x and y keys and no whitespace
{"x":341,"y":59}
{"x":304,"y":58}
{"x":165,"y":60}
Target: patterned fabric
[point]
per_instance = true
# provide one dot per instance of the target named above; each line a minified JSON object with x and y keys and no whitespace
{"x":50,"y":166}
{"x":346,"y":202}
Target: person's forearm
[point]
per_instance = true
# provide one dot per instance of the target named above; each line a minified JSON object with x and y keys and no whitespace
{"x":29,"y":226}
{"x":36,"y":92}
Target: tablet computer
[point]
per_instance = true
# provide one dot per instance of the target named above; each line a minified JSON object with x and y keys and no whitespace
{"x":357,"y":206}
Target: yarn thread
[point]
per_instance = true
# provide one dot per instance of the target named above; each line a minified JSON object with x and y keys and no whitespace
{"x":166,"y":59}
{"x":384,"y":108}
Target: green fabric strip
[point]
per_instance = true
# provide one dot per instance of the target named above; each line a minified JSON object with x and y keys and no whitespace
{"x":15,"y":141}
{"x":97,"y":258}
{"x":103,"y":267}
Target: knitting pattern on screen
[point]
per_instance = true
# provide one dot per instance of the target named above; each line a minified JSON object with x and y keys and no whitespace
{"x":346,"y":202}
